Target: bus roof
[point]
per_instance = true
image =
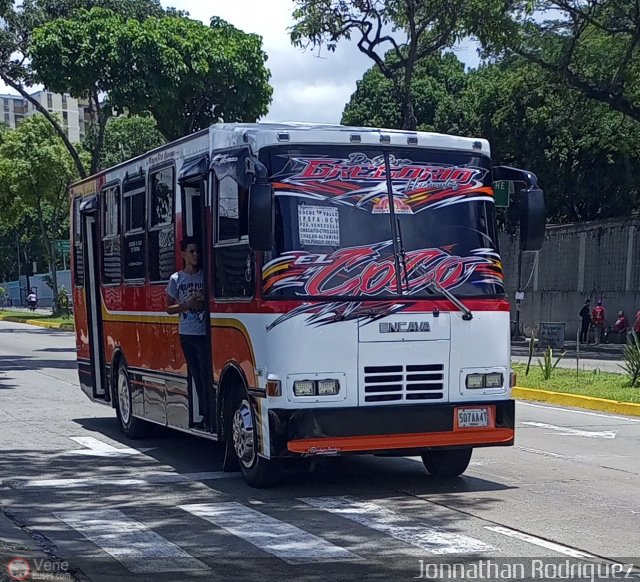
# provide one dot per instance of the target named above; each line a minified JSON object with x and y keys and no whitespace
{"x":264,"y":134}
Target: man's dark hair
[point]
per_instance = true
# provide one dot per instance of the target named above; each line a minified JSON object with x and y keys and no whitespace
{"x":185,"y":242}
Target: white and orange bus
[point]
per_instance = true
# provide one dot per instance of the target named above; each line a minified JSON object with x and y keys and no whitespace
{"x":354,"y":288}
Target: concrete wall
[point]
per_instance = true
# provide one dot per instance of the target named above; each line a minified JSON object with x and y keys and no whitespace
{"x":18,"y":293}
{"x":599,"y":260}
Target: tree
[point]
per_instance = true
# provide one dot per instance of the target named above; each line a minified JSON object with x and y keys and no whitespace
{"x":186,"y":74}
{"x":592,"y":46}
{"x":438,"y":82}
{"x":584,"y":154}
{"x":127,"y":137}
{"x":426,"y":27}
{"x":20,"y":21}
{"x":35,"y":173}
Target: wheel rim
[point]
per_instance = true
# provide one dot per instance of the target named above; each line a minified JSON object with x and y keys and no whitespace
{"x":123,"y":397}
{"x":242,"y":429}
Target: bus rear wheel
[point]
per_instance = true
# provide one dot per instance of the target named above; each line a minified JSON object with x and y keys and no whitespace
{"x":256,"y":470}
{"x":132,"y":427}
{"x":447,"y":463}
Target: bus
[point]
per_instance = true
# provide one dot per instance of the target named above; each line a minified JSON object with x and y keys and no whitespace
{"x":355,"y":292}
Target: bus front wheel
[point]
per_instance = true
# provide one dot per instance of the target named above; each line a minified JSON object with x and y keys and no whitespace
{"x":447,"y":463}
{"x":256,"y":470}
{"x":133,"y":427}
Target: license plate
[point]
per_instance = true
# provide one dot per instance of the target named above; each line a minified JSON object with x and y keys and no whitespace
{"x":472,"y":417}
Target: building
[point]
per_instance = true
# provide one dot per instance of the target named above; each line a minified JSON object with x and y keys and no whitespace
{"x":73,"y":113}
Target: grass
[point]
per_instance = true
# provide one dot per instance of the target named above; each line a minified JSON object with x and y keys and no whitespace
{"x":23,"y":315}
{"x":588,"y":383}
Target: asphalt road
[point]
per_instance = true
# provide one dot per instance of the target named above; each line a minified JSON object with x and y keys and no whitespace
{"x":77,"y":494}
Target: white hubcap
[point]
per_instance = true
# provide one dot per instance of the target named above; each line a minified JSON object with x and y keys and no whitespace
{"x":123,"y":396}
{"x":243,"y":441}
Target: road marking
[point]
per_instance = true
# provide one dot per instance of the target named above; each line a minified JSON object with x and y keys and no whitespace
{"x":432,"y":539}
{"x":135,"y":546}
{"x":283,"y":540}
{"x":512,"y":533}
{"x":153,"y":479}
{"x":572,"y":411}
{"x":96,"y":448}
{"x":567,"y":431}
{"x":545,"y":453}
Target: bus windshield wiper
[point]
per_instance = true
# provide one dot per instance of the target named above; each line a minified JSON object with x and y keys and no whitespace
{"x":466,"y":312}
{"x":402,"y":255}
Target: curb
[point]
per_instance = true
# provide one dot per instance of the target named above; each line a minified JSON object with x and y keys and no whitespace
{"x":589,"y":402}
{"x":50,"y":325}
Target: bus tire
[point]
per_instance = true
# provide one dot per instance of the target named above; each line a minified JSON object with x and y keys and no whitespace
{"x":132,"y":427}
{"x":447,"y":463}
{"x":242,"y":439}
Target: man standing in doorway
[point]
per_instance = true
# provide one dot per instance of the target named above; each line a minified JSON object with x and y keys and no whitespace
{"x":185,"y":297}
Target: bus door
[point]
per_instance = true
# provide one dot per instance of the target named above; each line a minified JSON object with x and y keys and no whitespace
{"x":89,"y":217}
{"x":195,"y":220}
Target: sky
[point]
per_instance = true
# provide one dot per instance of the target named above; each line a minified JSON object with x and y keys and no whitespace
{"x":308,"y":85}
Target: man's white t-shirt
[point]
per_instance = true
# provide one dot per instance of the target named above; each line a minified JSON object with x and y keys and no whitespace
{"x":181,"y":287}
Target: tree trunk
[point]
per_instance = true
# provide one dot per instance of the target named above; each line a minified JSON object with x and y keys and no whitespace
{"x":56,"y":126}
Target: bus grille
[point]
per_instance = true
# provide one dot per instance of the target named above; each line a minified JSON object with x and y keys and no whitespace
{"x":404,"y":383}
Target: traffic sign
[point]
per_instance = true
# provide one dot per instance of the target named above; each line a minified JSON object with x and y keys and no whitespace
{"x":502,"y":191}
{"x":63,"y":246}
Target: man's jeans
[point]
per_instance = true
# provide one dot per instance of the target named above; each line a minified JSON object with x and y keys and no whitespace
{"x":195,"y":349}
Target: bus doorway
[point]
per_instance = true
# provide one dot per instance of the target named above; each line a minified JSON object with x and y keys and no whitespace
{"x":195,"y":211}
{"x":88,"y":216}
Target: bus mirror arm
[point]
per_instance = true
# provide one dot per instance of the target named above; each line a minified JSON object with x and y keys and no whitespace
{"x":261,"y":210}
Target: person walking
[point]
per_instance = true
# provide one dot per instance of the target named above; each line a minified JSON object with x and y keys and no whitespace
{"x":185,"y":297}
{"x":599,"y":320}
{"x":585,"y":318}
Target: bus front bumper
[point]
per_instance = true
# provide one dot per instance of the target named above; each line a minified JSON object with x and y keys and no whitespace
{"x":392,"y":429}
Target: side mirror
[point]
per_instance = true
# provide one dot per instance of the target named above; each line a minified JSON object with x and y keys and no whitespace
{"x":532,"y":219}
{"x":261,"y":216}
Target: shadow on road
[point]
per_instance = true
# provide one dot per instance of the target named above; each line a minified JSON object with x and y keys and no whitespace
{"x":13,"y":363}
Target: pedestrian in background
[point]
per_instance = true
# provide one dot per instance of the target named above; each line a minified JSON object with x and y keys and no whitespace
{"x":599,"y":320}
{"x":585,"y":317}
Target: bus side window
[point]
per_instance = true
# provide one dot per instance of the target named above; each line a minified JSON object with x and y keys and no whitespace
{"x":78,"y":251}
{"x":111,"y":242}
{"x":161,"y":237}
{"x":234,"y":276}
{"x":133,"y":219}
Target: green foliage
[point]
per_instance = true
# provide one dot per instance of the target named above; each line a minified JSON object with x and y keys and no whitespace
{"x":144,"y":58}
{"x":631,"y":356}
{"x":35,"y":173}
{"x":437,"y":86}
{"x":532,"y":346}
{"x":547,"y":365}
{"x":126,"y":138}
{"x":187,"y":74}
{"x":591,"y":46}
{"x":578,"y":148}
{"x":405,"y":31}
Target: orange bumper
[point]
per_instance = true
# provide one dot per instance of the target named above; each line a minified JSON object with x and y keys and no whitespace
{"x":355,"y":444}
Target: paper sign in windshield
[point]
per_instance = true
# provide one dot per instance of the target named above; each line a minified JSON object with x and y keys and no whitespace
{"x":318,"y":225}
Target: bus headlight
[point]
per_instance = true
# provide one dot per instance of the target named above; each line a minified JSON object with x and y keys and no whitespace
{"x":328,"y":387}
{"x":491,"y":380}
{"x":475,"y":381}
{"x":494,"y":380}
{"x":304,"y":387}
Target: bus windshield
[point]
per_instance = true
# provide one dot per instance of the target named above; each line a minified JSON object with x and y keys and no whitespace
{"x":373,"y":223}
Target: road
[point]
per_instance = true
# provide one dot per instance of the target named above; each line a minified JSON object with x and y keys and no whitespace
{"x":99,"y":507}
